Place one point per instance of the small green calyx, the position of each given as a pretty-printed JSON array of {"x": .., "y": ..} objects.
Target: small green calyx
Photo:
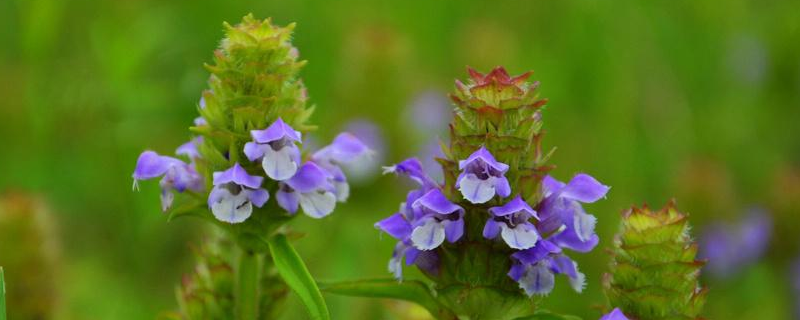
[{"x": 654, "y": 274}]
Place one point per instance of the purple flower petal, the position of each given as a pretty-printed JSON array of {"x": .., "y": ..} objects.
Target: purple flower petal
[
  {"x": 491, "y": 229},
  {"x": 189, "y": 149},
  {"x": 541, "y": 250},
  {"x": 453, "y": 229},
  {"x": 151, "y": 165},
  {"x": 584, "y": 188},
  {"x": 258, "y": 197},
  {"x": 237, "y": 175},
  {"x": 412, "y": 168},
  {"x": 276, "y": 131},
  {"x": 309, "y": 177},
  {"x": 615, "y": 314},
  {"x": 436, "y": 202},
  {"x": 289, "y": 200},
  {"x": 513, "y": 206},
  {"x": 396, "y": 226},
  {"x": 345, "y": 148},
  {"x": 486, "y": 157},
  {"x": 254, "y": 150}
]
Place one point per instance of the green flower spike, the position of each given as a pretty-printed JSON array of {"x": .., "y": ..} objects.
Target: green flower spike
[{"x": 654, "y": 274}]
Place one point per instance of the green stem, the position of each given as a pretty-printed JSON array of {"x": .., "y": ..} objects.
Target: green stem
[
  {"x": 2, "y": 295},
  {"x": 247, "y": 287}
]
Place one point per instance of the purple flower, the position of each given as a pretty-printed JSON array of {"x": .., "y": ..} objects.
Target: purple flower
[
  {"x": 310, "y": 189},
  {"x": 345, "y": 149},
  {"x": 370, "y": 134},
  {"x": 412, "y": 168},
  {"x": 535, "y": 269},
  {"x": 276, "y": 147},
  {"x": 615, "y": 314},
  {"x": 482, "y": 177},
  {"x": 399, "y": 226},
  {"x": 234, "y": 194},
  {"x": 512, "y": 222},
  {"x": 731, "y": 247},
  {"x": 438, "y": 219},
  {"x": 189, "y": 149},
  {"x": 177, "y": 175},
  {"x": 562, "y": 215}
]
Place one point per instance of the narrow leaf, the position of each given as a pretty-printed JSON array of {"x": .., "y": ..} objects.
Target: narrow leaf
[
  {"x": 2, "y": 295},
  {"x": 292, "y": 269},
  {"x": 412, "y": 291}
]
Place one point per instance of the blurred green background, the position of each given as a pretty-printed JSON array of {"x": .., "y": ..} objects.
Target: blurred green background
[{"x": 699, "y": 100}]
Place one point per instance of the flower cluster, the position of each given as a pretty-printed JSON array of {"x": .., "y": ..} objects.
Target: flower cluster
[
  {"x": 495, "y": 197},
  {"x": 249, "y": 137},
  {"x": 315, "y": 185}
]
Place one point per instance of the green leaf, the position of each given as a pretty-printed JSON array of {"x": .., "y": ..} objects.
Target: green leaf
[
  {"x": 2, "y": 295},
  {"x": 547, "y": 315},
  {"x": 412, "y": 291},
  {"x": 292, "y": 269}
]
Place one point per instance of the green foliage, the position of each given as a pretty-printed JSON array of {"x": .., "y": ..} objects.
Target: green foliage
[
  {"x": 210, "y": 291},
  {"x": 654, "y": 274},
  {"x": 292, "y": 269},
  {"x": 412, "y": 291}
]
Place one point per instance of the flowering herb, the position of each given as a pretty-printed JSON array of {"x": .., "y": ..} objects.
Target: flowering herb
[
  {"x": 248, "y": 145},
  {"x": 498, "y": 230}
]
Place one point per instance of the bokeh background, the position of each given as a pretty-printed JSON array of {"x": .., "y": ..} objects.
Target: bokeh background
[{"x": 698, "y": 100}]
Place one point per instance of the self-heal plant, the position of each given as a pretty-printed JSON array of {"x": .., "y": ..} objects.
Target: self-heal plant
[
  {"x": 654, "y": 273},
  {"x": 247, "y": 150},
  {"x": 498, "y": 230}
]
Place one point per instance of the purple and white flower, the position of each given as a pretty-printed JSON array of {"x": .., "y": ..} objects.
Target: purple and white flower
[
  {"x": 615, "y": 314},
  {"x": 482, "y": 177},
  {"x": 235, "y": 193},
  {"x": 310, "y": 189},
  {"x": 176, "y": 175},
  {"x": 438, "y": 219},
  {"x": 400, "y": 227},
  {"x": 562, "y": 215},
  {"x": 535, "y": 269},
  {"x": 276, "y": 146},
  {"x": 512, "y": 222},
  {"x": 345, "y": 149}
]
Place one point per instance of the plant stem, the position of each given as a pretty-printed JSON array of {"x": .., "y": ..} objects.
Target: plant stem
[
  {"x": 2, "y": 295},
  {"x": 247, "y": 287}
]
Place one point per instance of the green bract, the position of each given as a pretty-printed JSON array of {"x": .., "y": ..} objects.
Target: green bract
[{"x": 654, "y": 274}]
